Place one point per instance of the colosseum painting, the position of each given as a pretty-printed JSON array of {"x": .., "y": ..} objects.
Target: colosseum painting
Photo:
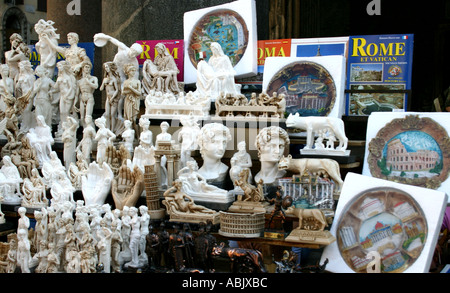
[{"x": 411, "y": 150}]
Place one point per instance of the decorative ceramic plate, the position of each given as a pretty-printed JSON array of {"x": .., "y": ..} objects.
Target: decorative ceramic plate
[
  {"x": 223, "y": 26},
  {"x": 309, "y": 88},
  {"x": 411, "y": 150},
  {"x": 386, "y": 220}
]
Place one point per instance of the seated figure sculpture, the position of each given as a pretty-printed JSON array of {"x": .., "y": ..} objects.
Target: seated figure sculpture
[
  {"x": 160, "y": 74},
  {"x": 217, "y": 75},
  {"x": 41, "y": 139},
  {"x": 10, "y": 181}
]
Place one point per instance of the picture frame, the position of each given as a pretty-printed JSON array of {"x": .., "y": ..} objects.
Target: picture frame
[
  {"x": 410, "y": 148},
  {"x": 233, "y": 26},
  {"x": 398, "y": 221}
]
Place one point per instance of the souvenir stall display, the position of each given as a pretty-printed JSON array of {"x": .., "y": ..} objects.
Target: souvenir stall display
[{"x": 159, "y": 179}]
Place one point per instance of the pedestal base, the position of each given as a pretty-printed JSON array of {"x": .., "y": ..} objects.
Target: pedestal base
[{"x": 312, "y": 237}]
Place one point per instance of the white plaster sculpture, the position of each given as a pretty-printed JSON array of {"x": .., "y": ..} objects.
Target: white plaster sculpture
[
  {"x": 213, "y": 141},
  {"x": 116, "y": 242},
  {"x": 73, "y": 54},
  {"x": 326, "y": 128},
  {"x": 61, "y": 190},
  {"x": 104, "y": 247},
  {"x": 2, "y": 215},
  {"x": 41, "y": 139},
  {"x": 131, "y": 91},
  {"x": 261, "y": 107},
  {"x": 86, "y": 145},
  {"x": 322, "y": 167},
  {"x": 42, "y": 95},
  {"x": 104, "y": 137},
  {"x": 112, "y": 85},
  {"x": 217, "y": 75},
  {"x": 87, "y": 85},
  {"x": 161, "y": 74},
  {"x": 69, "y": 138},
  {"x": 145, "y": 222},
  {"x": 125, "y": 55},
  {"x": 271, "y": 143},
  {"x": 134, "y": 238},
  {"x": 19, "y": 52},
  {"x": 6, "y": 86},
  {"x": 196, "y": 186},
  {"x": 66, "y": 85},
  {"x": 34, "y": 196},
  {"x": 24, "y": 83},
  {"x": 47, "y": 34},
  {"x": 128, "y": 136},
  {"x": 23, "y": 251},
  {"x": 52, "y": 168},
  {"x": 144, "y": 153},
  {"x": 96, "y": 184},
  {"x": 239, "y": 162},
  {"x": 187, "y": 138},
  {"x": 10, "y": 181},
  {"x": 75, "y": 175}
]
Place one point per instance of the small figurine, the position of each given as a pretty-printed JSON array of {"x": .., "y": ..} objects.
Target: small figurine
[
  {"x": 187, "y": 137},
  {"x": 128, "y": 136},
  {"x": 239, "y": 162},
  {"x": 280, "y": 204},
  {"x": 87, "y": 85},
  {"x": 19, "y": 52},
  {"x": 66, "y": 85},
  {"x": 181, "y": 206},
  {"x": 41, "y": 139},
  {"x": 42, "y": 95},
  {"x": 160, "y": 75},
  {"x": 104, "y": 137},
  {"x": 112, "y": 85},
  {"x": 47, "y": 34},
  {"x": 329, "y": 167},
  {"x": 131, "y": 91},
  {"x": 242, "y": 260},
  {"x": 85, "y": 146},
  {"x": 313, "y": 125},
  {"x": 69, "y": 138}
]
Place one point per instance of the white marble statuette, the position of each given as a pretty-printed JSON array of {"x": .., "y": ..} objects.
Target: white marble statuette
[
  {"x": 328, "y": 130},
  {"x": 48, "y": 41},
  {"x": 41, "y": 139},
  {"x": 96, "y": 184}
]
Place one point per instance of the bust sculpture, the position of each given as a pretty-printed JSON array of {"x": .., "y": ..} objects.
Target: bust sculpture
[
  {"x": 271, "y": 143},
  {"x": 213, "y": 140}
]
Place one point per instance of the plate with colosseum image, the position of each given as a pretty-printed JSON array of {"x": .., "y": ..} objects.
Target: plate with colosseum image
[
  {"x": 387, "y": 221},
  {"x": 395, "y": 226},
  {"x": 410, "y": 148}
]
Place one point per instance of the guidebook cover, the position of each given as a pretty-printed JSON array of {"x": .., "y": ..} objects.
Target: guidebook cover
[
  {"x": 272, "y": 48},
  {"x": 379, "y": 73}
]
